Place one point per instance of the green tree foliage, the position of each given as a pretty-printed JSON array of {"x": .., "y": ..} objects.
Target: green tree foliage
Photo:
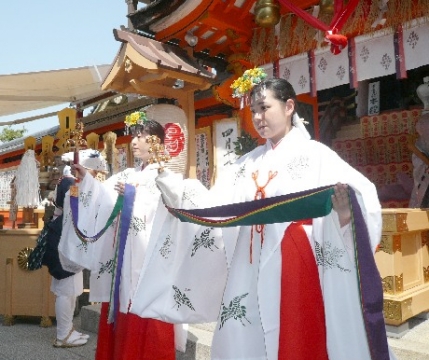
[{"x": 8, "y": 134}]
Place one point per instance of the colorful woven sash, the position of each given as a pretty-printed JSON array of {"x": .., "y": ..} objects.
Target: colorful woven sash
[
  {"x": 369, "y": 281},
  {"x": 124, "y": 205},
  {"x": 301, "y": 205},
  {"x": 124, "y": 226},
  {"x": 74, "y": 205},
  {"x": 304, "y": 205}
]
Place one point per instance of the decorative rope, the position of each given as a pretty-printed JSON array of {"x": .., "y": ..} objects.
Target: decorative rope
[
  {"x": 110, "y": 151},
  {"x": 13, "y": 210},
  {"x": 259, "y": 194}
]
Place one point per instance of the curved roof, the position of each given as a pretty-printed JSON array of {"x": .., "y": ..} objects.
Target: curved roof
[{"x": 146, "y": 66}]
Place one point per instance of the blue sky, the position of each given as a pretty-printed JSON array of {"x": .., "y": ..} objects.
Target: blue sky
[{"x": 50, "y": 35}]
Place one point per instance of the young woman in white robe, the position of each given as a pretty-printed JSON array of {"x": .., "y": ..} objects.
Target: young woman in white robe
[
  {"x": 317, "y": 314},
  {"x": 67, "y": 287},
  {"x": 121, "y": 336}
]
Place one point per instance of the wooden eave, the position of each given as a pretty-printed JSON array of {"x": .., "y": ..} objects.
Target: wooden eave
[
  {"x": 148, "y": 67},
  {"x": 230, "y": 24},
  {"x": 153, "y": 12}
]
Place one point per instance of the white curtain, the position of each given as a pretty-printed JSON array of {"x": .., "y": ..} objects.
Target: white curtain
[
  {"x": 416, "y": 44},
  {"x": 295, "y": 70},
  {"x": 375, "y": 55},
  {"x": 331, "y": 70}
]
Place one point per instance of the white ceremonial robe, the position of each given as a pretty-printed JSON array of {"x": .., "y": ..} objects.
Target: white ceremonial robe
[
  {"x": 297, "y": 164},
  {"x": 96, "y": 201}
]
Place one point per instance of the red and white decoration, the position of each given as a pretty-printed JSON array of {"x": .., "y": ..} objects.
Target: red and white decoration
[
  {"x": 366, "y": 57},
  {"x": 174, "y": 120}
]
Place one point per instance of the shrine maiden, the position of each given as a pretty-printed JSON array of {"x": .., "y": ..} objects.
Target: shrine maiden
[
  {"x": 111, "y": 239},
  {"x": 292, "y": 290}
]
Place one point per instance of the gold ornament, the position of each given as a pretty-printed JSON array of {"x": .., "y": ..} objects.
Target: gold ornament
[
  {"x": 76, "y": 141},
  {"x": 158, "y": 152},
  {"x": 23, "y": 258},
  {"x": 267, "y": 13},
  {"x": 326, "y": 7}
]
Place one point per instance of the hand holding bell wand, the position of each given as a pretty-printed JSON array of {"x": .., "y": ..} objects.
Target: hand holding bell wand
[{"x": 77, "y": 142}]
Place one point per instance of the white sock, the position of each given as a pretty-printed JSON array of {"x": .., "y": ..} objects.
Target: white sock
[{"x": 64, "y": 310}]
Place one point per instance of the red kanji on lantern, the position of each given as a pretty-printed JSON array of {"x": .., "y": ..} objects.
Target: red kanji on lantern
[{"x": 174, "y": 139}]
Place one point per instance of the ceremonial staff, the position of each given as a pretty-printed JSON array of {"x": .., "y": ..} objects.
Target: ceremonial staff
[{"x": 76, "y": 143}]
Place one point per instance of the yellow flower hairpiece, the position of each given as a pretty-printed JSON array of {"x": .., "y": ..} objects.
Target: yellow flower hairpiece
[
  {"x": 136, "y": 118},
  {"x": 247, "y": 81}
]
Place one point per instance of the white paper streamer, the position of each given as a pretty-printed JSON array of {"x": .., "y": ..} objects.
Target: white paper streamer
[{"x": 27, "y": 181}]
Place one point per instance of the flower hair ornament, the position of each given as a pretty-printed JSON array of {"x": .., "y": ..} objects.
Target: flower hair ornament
[
  {"x": 244, "y": 84},
  {"x": 156, "y": 149},
  {"x": 134, "y": 119}
]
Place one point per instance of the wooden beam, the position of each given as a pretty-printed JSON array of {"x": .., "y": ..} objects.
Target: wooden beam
[
  {"x": 158, "y": 90},
  {"x": 178, "y": 74},
  {"x": 153, "y": 77},
  {"x": 186, "y": 101}
]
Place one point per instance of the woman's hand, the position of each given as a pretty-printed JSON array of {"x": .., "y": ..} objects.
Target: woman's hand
[
  {"x": 341, "y": 203},
  {"x": 120, "y": 187},
  {"x": 79, "y": 171}
]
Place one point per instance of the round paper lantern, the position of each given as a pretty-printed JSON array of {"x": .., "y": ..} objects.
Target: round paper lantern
[{"x": 174, "y": 121}]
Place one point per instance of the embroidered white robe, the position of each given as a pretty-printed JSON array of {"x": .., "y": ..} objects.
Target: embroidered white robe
[
  {"x": 96, "y": 201},
  {"x": 298, "y": 164}
]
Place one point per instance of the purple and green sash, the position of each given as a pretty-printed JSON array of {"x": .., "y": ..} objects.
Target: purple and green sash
[
  {"x": 74, "y": 205},
  {"x": 124, "y": 226},
  {"x": 292, "y": 207},
  {"x": 304, "y": 205},
  {"x": 124, "y": 207}
]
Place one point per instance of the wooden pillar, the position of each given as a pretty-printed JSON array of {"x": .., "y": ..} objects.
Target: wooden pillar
[{"x": 186, "y": 101}]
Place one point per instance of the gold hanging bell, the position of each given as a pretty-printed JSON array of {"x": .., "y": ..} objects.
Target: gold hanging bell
[
  {"x": 326, "y": 7},
  {"x": 267, "y": 13}
]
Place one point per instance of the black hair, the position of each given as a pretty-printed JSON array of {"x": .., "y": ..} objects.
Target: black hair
[
  {"x": 151, "y": 127},
  {"x": 282, "y": 90}
]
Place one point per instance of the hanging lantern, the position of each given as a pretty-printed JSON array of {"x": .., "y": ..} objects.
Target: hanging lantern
[{"x": 267, "y": 13}]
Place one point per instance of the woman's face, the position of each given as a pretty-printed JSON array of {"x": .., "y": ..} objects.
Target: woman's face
[
  {"x": 140, "y": 146},
  {"x": 271, "y": 117}
]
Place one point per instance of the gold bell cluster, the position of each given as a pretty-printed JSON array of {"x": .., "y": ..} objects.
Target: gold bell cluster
[{"x": 158, "y": 152}]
